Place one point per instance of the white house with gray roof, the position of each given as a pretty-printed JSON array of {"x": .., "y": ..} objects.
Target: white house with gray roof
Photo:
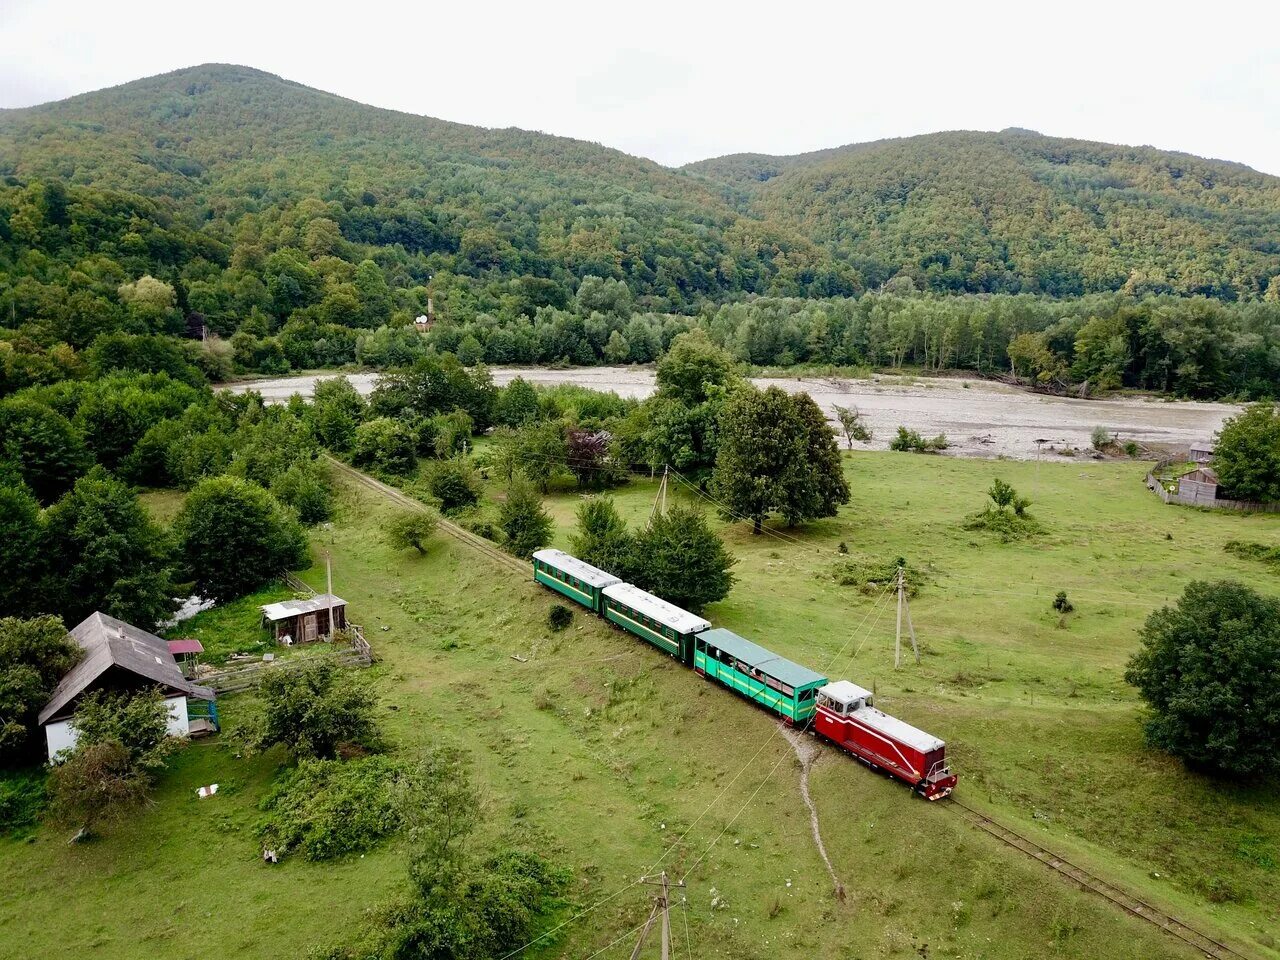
[{"x": 119, "y": 658}]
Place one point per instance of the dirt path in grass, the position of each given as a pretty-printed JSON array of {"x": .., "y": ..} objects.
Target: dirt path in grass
[{"x": 807, "y": 752}]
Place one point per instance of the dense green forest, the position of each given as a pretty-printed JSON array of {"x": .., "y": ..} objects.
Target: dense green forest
[{"x": 298, "y": 229}]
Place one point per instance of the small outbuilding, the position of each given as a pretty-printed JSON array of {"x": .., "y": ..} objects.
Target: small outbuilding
[
  {"x": 1198, "y": 486},
  {"x": 121, "y": 658},
  {"x": 302, "y": 621},
  {"x": 1202, "y": 452}
]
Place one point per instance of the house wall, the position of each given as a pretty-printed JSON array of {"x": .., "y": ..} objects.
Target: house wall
[{"x": 60, "y": 735}]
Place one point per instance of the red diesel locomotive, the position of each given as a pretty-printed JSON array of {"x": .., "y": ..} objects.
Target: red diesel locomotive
[{"x": 846, "y": 716}]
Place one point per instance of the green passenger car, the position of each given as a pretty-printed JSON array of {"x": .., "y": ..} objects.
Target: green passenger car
[
  {"x": 651, "y": 618},
  {"x": 577, "y": 580},
  {"x": 782, "y": 686}
]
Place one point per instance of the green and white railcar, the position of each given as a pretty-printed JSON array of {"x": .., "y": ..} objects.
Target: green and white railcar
[
  {"x": 576, "y": 579},
  {"x": 785, "y": 687},
  {"x": 651, "y": 618}
]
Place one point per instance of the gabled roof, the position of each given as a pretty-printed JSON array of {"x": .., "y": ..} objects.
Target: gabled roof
[
  {"x": 291, "y": 608},
  {"x": 108, "y": 642},
  {"x": 763, "y": 659}
]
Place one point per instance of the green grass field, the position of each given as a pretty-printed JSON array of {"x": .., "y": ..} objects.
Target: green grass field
[{"x": 602, "y": 753}]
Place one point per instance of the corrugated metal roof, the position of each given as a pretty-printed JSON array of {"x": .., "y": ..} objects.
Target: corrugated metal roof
[
  {"x": 291, "y": 608},
  {"x": 570, "y": 564},
  {"x": 667, "y": 614},
  {"x": 762, "y": 658},
  {"x": 108, "y": 642},
  {"x": 185, "y": 645}
]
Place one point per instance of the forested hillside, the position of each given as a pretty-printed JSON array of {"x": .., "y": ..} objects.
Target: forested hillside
[
  {"x": 1019, "y": 212},
  {"x": 299, "y": 229}
]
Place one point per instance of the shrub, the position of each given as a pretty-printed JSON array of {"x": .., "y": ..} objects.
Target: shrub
[
  {"x": 306, "y": 487},
  {"x": 1061, "y": 603},
  {"x": 385, "y": 444},
  {"x": 326, "y": 808},
  {"x": 314, "y": 709},
  {"x": 454, "y": 483},
  {"x": 602, "y": 538},
  {"x": 411, "y": 529},
  {"x": 1006, "y": 516},
  {"x": 525, "y": 523},
  {"x": 906, "y": 441},
  {"x": 909, "y": 441},
  {"x": 1004, "y": 524},
  {"x": 22, "y": 799},
  {"x": 1100, "y": 438},
  {"x": 559, "y": 618},
  {"x": 871, "y": 576},
  {"x": 1209, "y": 669},
  {"x": 1253, "y": 551}
]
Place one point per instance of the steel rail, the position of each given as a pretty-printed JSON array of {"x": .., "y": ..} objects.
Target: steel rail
[
  {"x": 448, "y": 526},
  {"x": 1087, "y": 881}
]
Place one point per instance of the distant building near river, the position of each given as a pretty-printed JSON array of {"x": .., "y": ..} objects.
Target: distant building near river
[
  {"x": 121, "y": 658},
  {"x": 1202, "y": 452}
]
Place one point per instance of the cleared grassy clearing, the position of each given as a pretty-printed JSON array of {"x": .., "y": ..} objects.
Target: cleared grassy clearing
[{"x": 601, "y": 752}]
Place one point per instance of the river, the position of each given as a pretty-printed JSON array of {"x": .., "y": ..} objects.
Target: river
[{"x": 980, "y": 418}]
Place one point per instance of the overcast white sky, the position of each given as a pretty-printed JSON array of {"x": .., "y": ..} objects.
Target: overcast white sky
[{"x": 680, "y": 81}]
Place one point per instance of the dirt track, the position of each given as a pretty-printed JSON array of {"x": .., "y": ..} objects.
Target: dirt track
[{"x": 980, "y": 419}]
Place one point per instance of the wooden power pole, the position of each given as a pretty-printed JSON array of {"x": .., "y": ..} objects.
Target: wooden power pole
[
  {"x": 660, "y": 500},
  {"x": 661, "y": 904},
  {"x": 903, "y": 604}
]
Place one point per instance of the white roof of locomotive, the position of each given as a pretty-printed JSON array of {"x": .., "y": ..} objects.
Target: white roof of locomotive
[
  {"x": 899, "y": 730},
  {"x": 846, "y": 692},
  {"x": 667, "y": 614},
  {"x": 592, "y": 576}
]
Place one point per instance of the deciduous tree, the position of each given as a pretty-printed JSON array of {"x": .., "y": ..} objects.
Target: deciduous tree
[
  {"x": 1247, "y": 454},
  {"x": 1209, "y": 669},
  {"x": 233, "y": 536},
  {"x": 525, "y": 523},
  {"x": 106, "y": 553}
]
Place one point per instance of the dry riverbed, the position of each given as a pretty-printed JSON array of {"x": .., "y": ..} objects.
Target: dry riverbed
[{"x": 980, "y": 418}]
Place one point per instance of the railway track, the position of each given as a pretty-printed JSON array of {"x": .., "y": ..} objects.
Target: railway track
[
  {"x": 477, "y": 543},
  {"x": 1087, "y": 881},
  {"x": 1177, "y": 929}
]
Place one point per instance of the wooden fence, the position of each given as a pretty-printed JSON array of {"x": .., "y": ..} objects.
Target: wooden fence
[
  {"x": 1156, "y": 485},
  {"x": 246, "y": 674}
]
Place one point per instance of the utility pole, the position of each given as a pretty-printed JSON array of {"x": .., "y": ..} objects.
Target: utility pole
[
  {"x": 661, "y": 903},
  {"x": 660, "y": 500},
  {"x": 903, "y": 604},
  {"x": 328, "y": 588}
]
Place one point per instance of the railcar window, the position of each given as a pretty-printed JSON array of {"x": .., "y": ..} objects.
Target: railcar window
[
  {"x": 806, "y": 694},
  {"x": 790, "y": 691}
]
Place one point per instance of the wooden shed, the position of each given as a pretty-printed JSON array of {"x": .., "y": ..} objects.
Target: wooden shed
[
  {"x": 1198, "y": 486},
  {"x": 302, "y": 621}
]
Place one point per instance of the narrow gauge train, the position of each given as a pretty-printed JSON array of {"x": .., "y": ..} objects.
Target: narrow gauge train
[{"x": 839, "y": 711}]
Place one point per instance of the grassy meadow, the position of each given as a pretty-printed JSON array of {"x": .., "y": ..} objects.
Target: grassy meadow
[{"x": 603, "y": 754}]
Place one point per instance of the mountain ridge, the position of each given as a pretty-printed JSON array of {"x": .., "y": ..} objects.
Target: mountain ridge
[{"x": 959, "y": 211}]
